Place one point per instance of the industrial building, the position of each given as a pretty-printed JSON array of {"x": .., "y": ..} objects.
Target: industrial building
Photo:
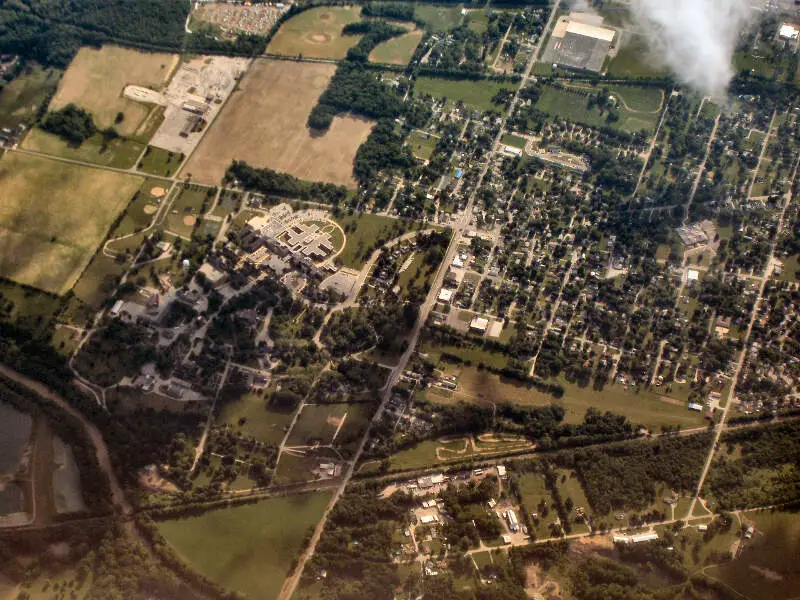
[{"x": 580, "y": 42}]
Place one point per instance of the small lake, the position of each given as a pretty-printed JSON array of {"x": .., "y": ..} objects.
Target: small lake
[
  {"x": 15, "y": 431},
  {"x": 66, "y": 479}
]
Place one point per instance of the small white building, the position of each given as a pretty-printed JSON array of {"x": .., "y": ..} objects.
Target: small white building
[
  {"x": 695, "y": 406},
  {"x": 479, "y": 325},
  {"x": 445, "y": 295},
  {"x": 501, "y": 471},
  {"x": 789, "y": 32}
]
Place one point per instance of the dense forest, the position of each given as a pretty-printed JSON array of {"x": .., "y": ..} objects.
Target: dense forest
[
  {"x": 626, "y": 476},
  {"x": 268, "y": 181},
  {"x": 355, "y": 89},
  {"x": 51, "y": 31}
]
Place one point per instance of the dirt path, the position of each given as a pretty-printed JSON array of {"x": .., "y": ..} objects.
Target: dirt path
[{"x": 94, "y": 435}]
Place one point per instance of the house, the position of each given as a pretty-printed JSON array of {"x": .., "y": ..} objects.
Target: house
[
  {"x": 696, "y": 407},
  {"x": 501, "y": 471},
  {"x": 117, "y": 308},
  {"x": 445, "y": 295}
]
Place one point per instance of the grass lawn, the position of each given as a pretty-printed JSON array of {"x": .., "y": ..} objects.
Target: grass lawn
[
  {"x": 473, "y": 94},
  {"x": 533, "y": 490},
  {"x": 317, "y": 33},
  {"x": 53, "y": 216},
  {"x": 569, "y": 487},
  {"x": 436, "y": 17},
  {"x": 119, "y": 153},
  {"x": 791, "y": 268},
  {"x": 21, "y": 98},
  {"x": 509, "y": 139},
  {"x": 317, "y": 423},
  {"x": 467, "y": 352},
  {"x": 422, "y": 145},
  {"x": 248, "y": 548},
  {"x": 645, "y": 408},
  {"x": 632, "y": 62},
  {"x": 157, "y": 161},
  {"x": 573, "y": 106},
  {"x": 365, "y": 233},
  {"x": 185, "y": 211},
  {"x": 251, "y": 416},
  {"x": 478, "y": 21},
  {"x": 398, "y": 50},
  {"x": 99, "y": 280}
]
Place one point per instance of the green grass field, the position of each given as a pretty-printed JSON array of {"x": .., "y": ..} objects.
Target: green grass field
[
  {"x": 422, "y": 145},
  {"x": 478, "y": 21},
  {"x": 53, "y": 216},
  {"x": 437, "y": 17},
  {"x": 633, "y": 60},
  {"x": 363, "y": 232},
  {"x": 158, "y": 161},
  {"x": 20, "y": 99},
  {"x": 317, "y": 423},
  {"x": 533, "y": 490},
  {"x": 509, "y": 139},
  {"x": 317, "y": 33},
  {"x": 473, "y": 94},
  {"x": 767, "y": 567},
  {"x": 139, "y": 213},
  {"x": 398, "y": 50},
  {"x": 563, "y": 104},
  {"x": 251, "y": 416},
  {"x": 247, "y": 548},
  {"x": 119, "y": 153}
]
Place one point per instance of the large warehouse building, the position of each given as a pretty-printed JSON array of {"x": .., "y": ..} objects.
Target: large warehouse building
[{"x": 578, "y": 43}]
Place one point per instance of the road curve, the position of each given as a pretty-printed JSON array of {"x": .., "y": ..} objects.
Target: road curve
[{"x": 94, "y": 435}]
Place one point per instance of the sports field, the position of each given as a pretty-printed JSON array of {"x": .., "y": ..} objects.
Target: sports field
[
  {"x": 317, "y": 423},
  {"x": 247, "y": 548},
  {"x": 259, "y": 125},
  {"x": 96, "y": 78},
  {"x": 317, "y": 33},
  {"x": 53, "y": 216},
  {"x": 398, "y": 50}
]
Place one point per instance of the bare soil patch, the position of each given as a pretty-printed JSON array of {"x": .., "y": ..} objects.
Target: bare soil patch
[
  {"x": 96, "y": 77},
  {"x": 157, "y": 192},
  {"x": 264, "y": 123},
  {"x": 150, "y": 209},
  {"x": 189, "y": 220}
]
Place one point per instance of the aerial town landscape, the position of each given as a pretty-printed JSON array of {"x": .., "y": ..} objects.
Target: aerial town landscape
[{"x": 387, "y": 299}]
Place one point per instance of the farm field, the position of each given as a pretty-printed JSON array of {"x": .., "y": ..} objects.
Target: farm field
[
  {"x": 119, "y": 153},
  {"x": 247, "y": 548},
  {"x": 20, "y": 99},
  {"x": 53, "y": 216},
  {"x": 573, "y": 106},
  {"x": 96, "y": 78},
  {"x": 474, "y": 94},
  {"x": 317, "y": 33},
  {"x": 259, "y": 126},
  {"x": 644, "y": 408},
  {"x": 251, "y": 416},
  {"x": 397, "y": 51}
]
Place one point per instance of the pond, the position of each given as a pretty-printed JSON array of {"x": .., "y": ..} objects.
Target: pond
[{"x": 66, "y": 479}]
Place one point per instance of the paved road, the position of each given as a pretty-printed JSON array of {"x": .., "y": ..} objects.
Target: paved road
[
  {"x": 291, "y": 583},
  {"x": 746, "y": 340}
]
